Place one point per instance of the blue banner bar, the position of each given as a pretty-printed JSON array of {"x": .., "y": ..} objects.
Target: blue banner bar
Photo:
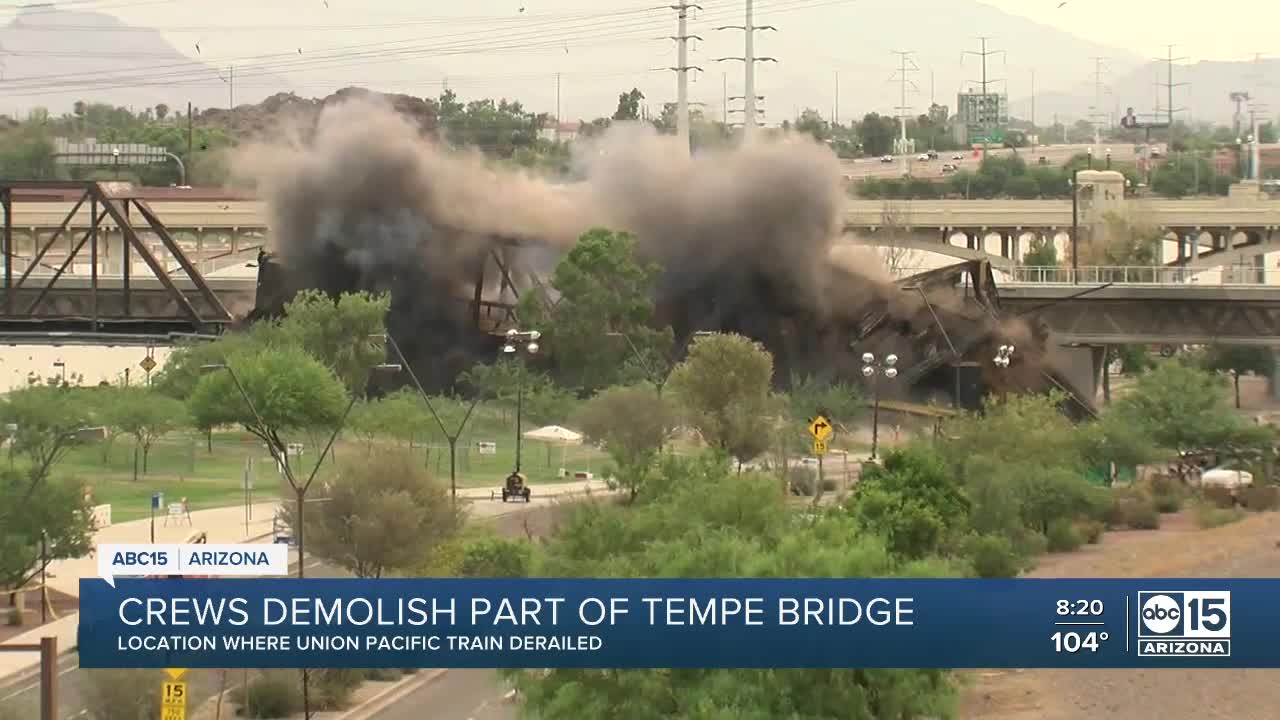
[{"x": 740, "y": 623}]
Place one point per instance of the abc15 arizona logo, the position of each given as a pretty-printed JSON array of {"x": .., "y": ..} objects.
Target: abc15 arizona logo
[{"x": 1187, "y": 623}]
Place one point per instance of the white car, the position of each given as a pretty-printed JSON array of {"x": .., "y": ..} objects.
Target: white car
[
  {"x": 923, "y": 157},
  {"x": 957, "y": 156},
  {"x": 1226, "y": 476},
  {"x": 886, "y": 158}
]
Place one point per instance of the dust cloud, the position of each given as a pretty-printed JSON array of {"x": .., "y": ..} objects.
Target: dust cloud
[{"x": 363, "y": 199}]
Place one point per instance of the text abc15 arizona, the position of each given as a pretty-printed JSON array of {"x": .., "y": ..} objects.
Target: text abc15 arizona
[{"x": 1188, "y": 623}]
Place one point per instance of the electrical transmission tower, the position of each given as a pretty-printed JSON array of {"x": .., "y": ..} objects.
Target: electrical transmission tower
[
  {"x": 682, "y": 69},
  {"x": 906, "y": 66},
  {"x": 1100, "y": 88},
  {"x": 985, "y": 115},
  {"x": 749, "y": 60},
  {"x": 1169, "y": 86}
]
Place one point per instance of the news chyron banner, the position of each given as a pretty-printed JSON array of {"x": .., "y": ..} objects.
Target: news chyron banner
[{"x": 740, "y": 623}]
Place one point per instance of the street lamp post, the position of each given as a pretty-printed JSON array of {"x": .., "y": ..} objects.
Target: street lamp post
[
  {"x": 280, "y": 453},
  {"x": 513, "y": 346},
  {"x": 1075, "y": 223},
  {"x": 450, "y": 437},
  {"x": 873, "y": 369},
  {"x": 1108, "y": 158},
  {"x": 1004, "y": 356}
]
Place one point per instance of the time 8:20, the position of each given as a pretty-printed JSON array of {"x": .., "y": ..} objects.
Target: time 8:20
[{"x": 1079, "y": 607}]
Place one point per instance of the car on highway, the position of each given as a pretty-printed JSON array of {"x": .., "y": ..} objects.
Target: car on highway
[
  {"x": 923, "y": 157},
  {"x": 886, "y": 158},
  {"x": 957, "y": 156},
  {"x": 950, "y": 168}
]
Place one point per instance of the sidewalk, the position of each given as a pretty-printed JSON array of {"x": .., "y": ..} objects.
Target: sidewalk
[{"x": 223, "y": 525}]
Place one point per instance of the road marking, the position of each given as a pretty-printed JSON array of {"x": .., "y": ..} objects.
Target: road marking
[{"x": 35, "y": 685}]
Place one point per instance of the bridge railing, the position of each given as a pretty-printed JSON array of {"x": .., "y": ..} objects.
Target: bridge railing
[
  {"x": 1138, "y": 275},
  {"x": 1226, "y": 276}
]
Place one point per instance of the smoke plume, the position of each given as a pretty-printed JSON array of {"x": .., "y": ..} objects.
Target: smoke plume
[{"x": 362, "y": 200}]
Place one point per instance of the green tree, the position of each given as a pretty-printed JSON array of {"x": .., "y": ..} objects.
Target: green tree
[
  {"x": 1237, "y": 360},
  {"x": 48, "y": 420},
  {"x": 629, "y": 105},
  {"x": 381, "y": 514},
  {"x": 145, "y": 416},
  {"x": 877, "y": 134},
  {"x": 602, "y": 288},
  {"x": 55, "y": 511},
  {"x": 631, "y": 423},
  {"x": 284, "y": 390},
  {"x": 339, "y": 333},
  {"x": 1042, "y": 253},
  {"x": 912, "y": 501},
  {"x": 1186, "y": 409},
  {"x": 711, "y": 523},
  {"x": 723, "y": 384}
]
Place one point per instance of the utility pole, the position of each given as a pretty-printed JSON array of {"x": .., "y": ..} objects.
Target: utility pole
[
  {"x": 724, "y": 98},
  {"x": 905, "y": 66},
  {"x": 1035, "y": 133},
  {"x": 682, "y": 70},
  {"x": 557, "y": 107},
  {"x": 1169, "y": 86},
  {"x": 749, "y": 60},
  {"x": 1255, "y": 109},
  {"x": 835, "y": 109},
  {"x": 985, "y": 115},
  {"x": 1099, "y": 69}
]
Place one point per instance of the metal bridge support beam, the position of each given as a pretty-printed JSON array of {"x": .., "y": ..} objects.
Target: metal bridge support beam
[{"x": 1083, "y": 366}]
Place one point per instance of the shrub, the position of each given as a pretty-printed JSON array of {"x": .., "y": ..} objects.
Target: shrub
[
  {"x": 1091, "y": 531},
  {"x": 802, "y": 481},
  {"x": 331, "y": 688},
  {"x": 993, "y": 556},
  {"x": 1261, "y": 497},
  {"x": 273, "y": 694},
  {"x": 1208, "y": 515},
  {"x": 122, "y": 694},
  {"x": 1218, "y": 497},
  {"x": 1063, "y": 537},
  {"x": 1132, "y": 508},
  {"x": 495, "y": 558},
  {"x": 1167, "y": 494},
  {"x": 381, "y": 674}
]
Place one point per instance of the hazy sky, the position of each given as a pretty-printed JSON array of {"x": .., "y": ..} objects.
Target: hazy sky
[
  {"x": 1217, "y": 30},
  {"x": 490, "y": 47}
]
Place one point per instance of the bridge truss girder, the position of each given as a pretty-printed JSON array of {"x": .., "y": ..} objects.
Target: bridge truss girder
[
  {"x": 1170, "y": 321},
  {"x": 102, "y": 306}
]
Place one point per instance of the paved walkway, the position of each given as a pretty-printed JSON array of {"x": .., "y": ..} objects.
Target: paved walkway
[{"x": 223, "y": 525}]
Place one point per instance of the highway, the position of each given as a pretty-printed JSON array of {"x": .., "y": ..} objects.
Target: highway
[{"x": 1053, "y": 155}]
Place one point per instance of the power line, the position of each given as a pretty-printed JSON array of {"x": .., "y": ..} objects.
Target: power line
[
  {"x": 682, "y": 69},
  {"x": 984, "y": 54},
  {"x": 1099, "y": 88},
  {"x": 1169, "y": 86},
  {"x": 530, "y": 39},
  {"x": 906, "y": 66}
]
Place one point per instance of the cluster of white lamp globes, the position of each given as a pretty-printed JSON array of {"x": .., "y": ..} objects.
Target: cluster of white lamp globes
[
  {"x": 869, "y": 368},
  {"x": 1003, "y": 356},
  {"x": 514, "y": 335}
]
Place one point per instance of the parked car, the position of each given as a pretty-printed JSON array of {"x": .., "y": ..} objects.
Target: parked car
[{"x": 1228, "y": 475}]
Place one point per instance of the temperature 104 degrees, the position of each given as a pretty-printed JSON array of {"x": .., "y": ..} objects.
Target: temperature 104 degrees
[{"x": 1073, "y": 642}]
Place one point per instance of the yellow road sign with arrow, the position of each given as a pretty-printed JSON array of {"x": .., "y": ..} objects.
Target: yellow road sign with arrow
[{"x": 821, "y": 430}]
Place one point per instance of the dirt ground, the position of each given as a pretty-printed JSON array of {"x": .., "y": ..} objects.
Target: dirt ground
[{"x": 1250, "y": 548}]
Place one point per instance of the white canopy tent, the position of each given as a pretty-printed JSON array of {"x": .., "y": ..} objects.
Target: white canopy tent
[{"x": 553, "y": 434}]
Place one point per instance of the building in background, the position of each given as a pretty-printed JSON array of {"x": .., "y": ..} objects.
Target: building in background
[{"x": 981, "y": 118}]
